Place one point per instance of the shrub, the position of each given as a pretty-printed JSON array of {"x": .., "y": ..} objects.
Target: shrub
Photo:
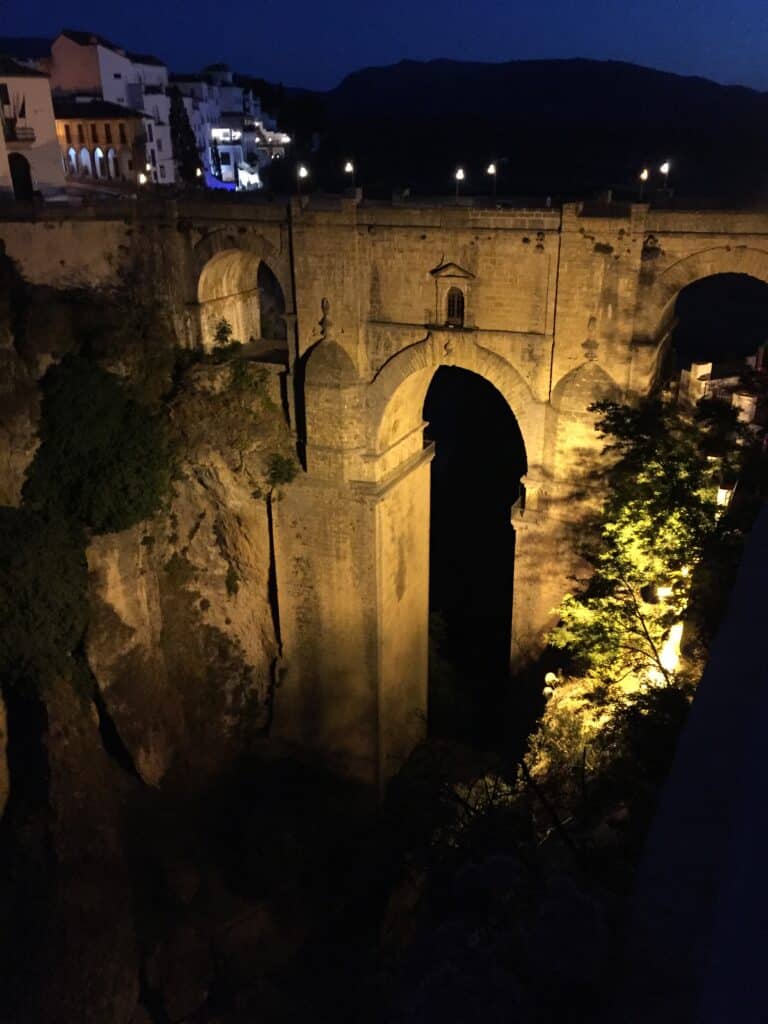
[{"x": 104, "y": 458}]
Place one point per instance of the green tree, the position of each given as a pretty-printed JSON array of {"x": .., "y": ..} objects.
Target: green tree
[
  {"x": 659, "y": 515},
  {"x": 183, "y": 140}
]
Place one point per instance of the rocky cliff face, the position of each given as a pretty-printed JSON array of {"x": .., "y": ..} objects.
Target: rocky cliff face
[{"x": 172, "y": 684}]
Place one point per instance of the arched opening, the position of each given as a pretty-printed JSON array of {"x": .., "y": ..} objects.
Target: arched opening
[
  {"x": 98, "y": 160},
  {"x": 21, "y": 176},
  {"x": 112, "y": 163},
  {"x": 723, "y": 316},
  {"x": 271, "y": 306},
  {"x": 455, "y": 307},
  {"x": 479, "y": 461},
  {"x": 72, "y": 160},
  {"x": 86, "y": 168},
  {"x": 238, "y": 289}
]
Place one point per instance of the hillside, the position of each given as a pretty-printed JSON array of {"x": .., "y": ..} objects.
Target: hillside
[{"x": 560, "y": 126}]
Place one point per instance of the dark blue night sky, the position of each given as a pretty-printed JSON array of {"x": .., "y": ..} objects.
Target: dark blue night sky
[{"x": 315, "y": 44}]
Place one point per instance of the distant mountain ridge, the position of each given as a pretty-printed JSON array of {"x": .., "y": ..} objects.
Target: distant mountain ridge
[{"x": 562, "y": 125}]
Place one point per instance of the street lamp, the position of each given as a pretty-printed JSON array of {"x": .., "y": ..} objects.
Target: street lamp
[
  {"x": 198, "y": 172},
  {"x": 142, "y": 178},
  {"x": 644, "y": 175},
  {"x": 459, "y": 176},
  {"x": 349, "y": 168},
  {"x": 491, "y": 172},
  {"x": 665, "y": 171},
  {"x": 301, "y": 174}
]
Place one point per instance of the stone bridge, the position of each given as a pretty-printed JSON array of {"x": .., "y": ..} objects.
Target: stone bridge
[{"x": 362, "y": 302}]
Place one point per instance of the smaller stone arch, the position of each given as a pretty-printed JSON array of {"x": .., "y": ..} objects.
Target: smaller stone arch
[
  {"x": 72, "y": 161},
  {"x": 112, "y": 168},
  {"x": 237, "y": 286},
  {"x": 655, "y": 318},
  {"x": 86, "y": 165}
]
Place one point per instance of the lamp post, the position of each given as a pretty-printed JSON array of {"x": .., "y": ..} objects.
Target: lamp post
[
  {"x": 492, "y": 174},
  {"x": 301, "y": 174},
  {"x": 644, "y": 175},
  {"x": 459, "y": 177},
  {"x": 665, "y": 167},
  {"x": 349, "y": 169}
]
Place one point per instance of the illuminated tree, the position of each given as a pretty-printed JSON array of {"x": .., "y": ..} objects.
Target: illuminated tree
[{"x": 658, "y": 516}]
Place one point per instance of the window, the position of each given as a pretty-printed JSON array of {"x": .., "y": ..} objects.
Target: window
[
  {"x": 149, "y": 133},
  {"x": 108, "y": 132},
  {"x": 121, "y": 131},
  {"x": 162, "y": 172},
  {"x": 225, "y": 159},
  {"x": 80, "y": 134},
  {"x": 94, "y": 133},
  {"x": 5, "y": 99},
  {"x": 455, "y": 317},
  {"x": 68, "y": 134},
  {"x": 159, "y": 145},
  {"x": 117, "y": 74},
  {"x": 153, "y": 158}
]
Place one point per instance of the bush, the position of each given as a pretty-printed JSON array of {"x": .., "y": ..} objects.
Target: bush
[
  {"x": 104, "y": 458},
  {"x": 43, "y": 607}
]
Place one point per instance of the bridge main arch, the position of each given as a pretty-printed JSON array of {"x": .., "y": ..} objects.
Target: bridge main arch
[{"x": 360, "y": 531}]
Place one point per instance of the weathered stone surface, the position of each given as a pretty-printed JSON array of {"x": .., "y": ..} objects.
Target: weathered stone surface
[
  {"x": 180, "y": 969},
  {"x": 562, "y": 307},
  {"x": 182, "y": 638}
]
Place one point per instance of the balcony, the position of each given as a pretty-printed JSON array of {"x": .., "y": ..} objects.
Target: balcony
[{"x": 18, "y": 133}]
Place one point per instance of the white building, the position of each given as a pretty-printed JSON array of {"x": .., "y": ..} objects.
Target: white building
[
  {"x": 88, "y": 65},
  {"x": 32, "y": 162}
]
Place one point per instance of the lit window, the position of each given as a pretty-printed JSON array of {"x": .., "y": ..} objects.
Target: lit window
[{"x": 455, "y": 311}]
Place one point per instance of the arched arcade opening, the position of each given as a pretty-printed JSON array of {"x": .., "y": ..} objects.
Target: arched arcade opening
[
  {"x": 476, "y": 476},
  {"x": 239, "y": 289}
]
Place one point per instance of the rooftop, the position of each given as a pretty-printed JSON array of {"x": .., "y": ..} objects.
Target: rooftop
[
  {"x": 146, "y": 58},
  {"x": 11, "y": 69},
  {"x": 90, "y": 39},
  {"x": 67, "y": 109}
]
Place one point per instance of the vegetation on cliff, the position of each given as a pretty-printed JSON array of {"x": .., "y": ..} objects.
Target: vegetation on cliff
[{"x": 104, "y": 459}]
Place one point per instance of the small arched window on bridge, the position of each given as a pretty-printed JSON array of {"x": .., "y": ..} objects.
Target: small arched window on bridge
[{"x": 455, "y": 308}]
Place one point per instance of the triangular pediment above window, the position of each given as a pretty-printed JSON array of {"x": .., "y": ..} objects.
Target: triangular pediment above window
[{"x": 451, "y": 270}]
